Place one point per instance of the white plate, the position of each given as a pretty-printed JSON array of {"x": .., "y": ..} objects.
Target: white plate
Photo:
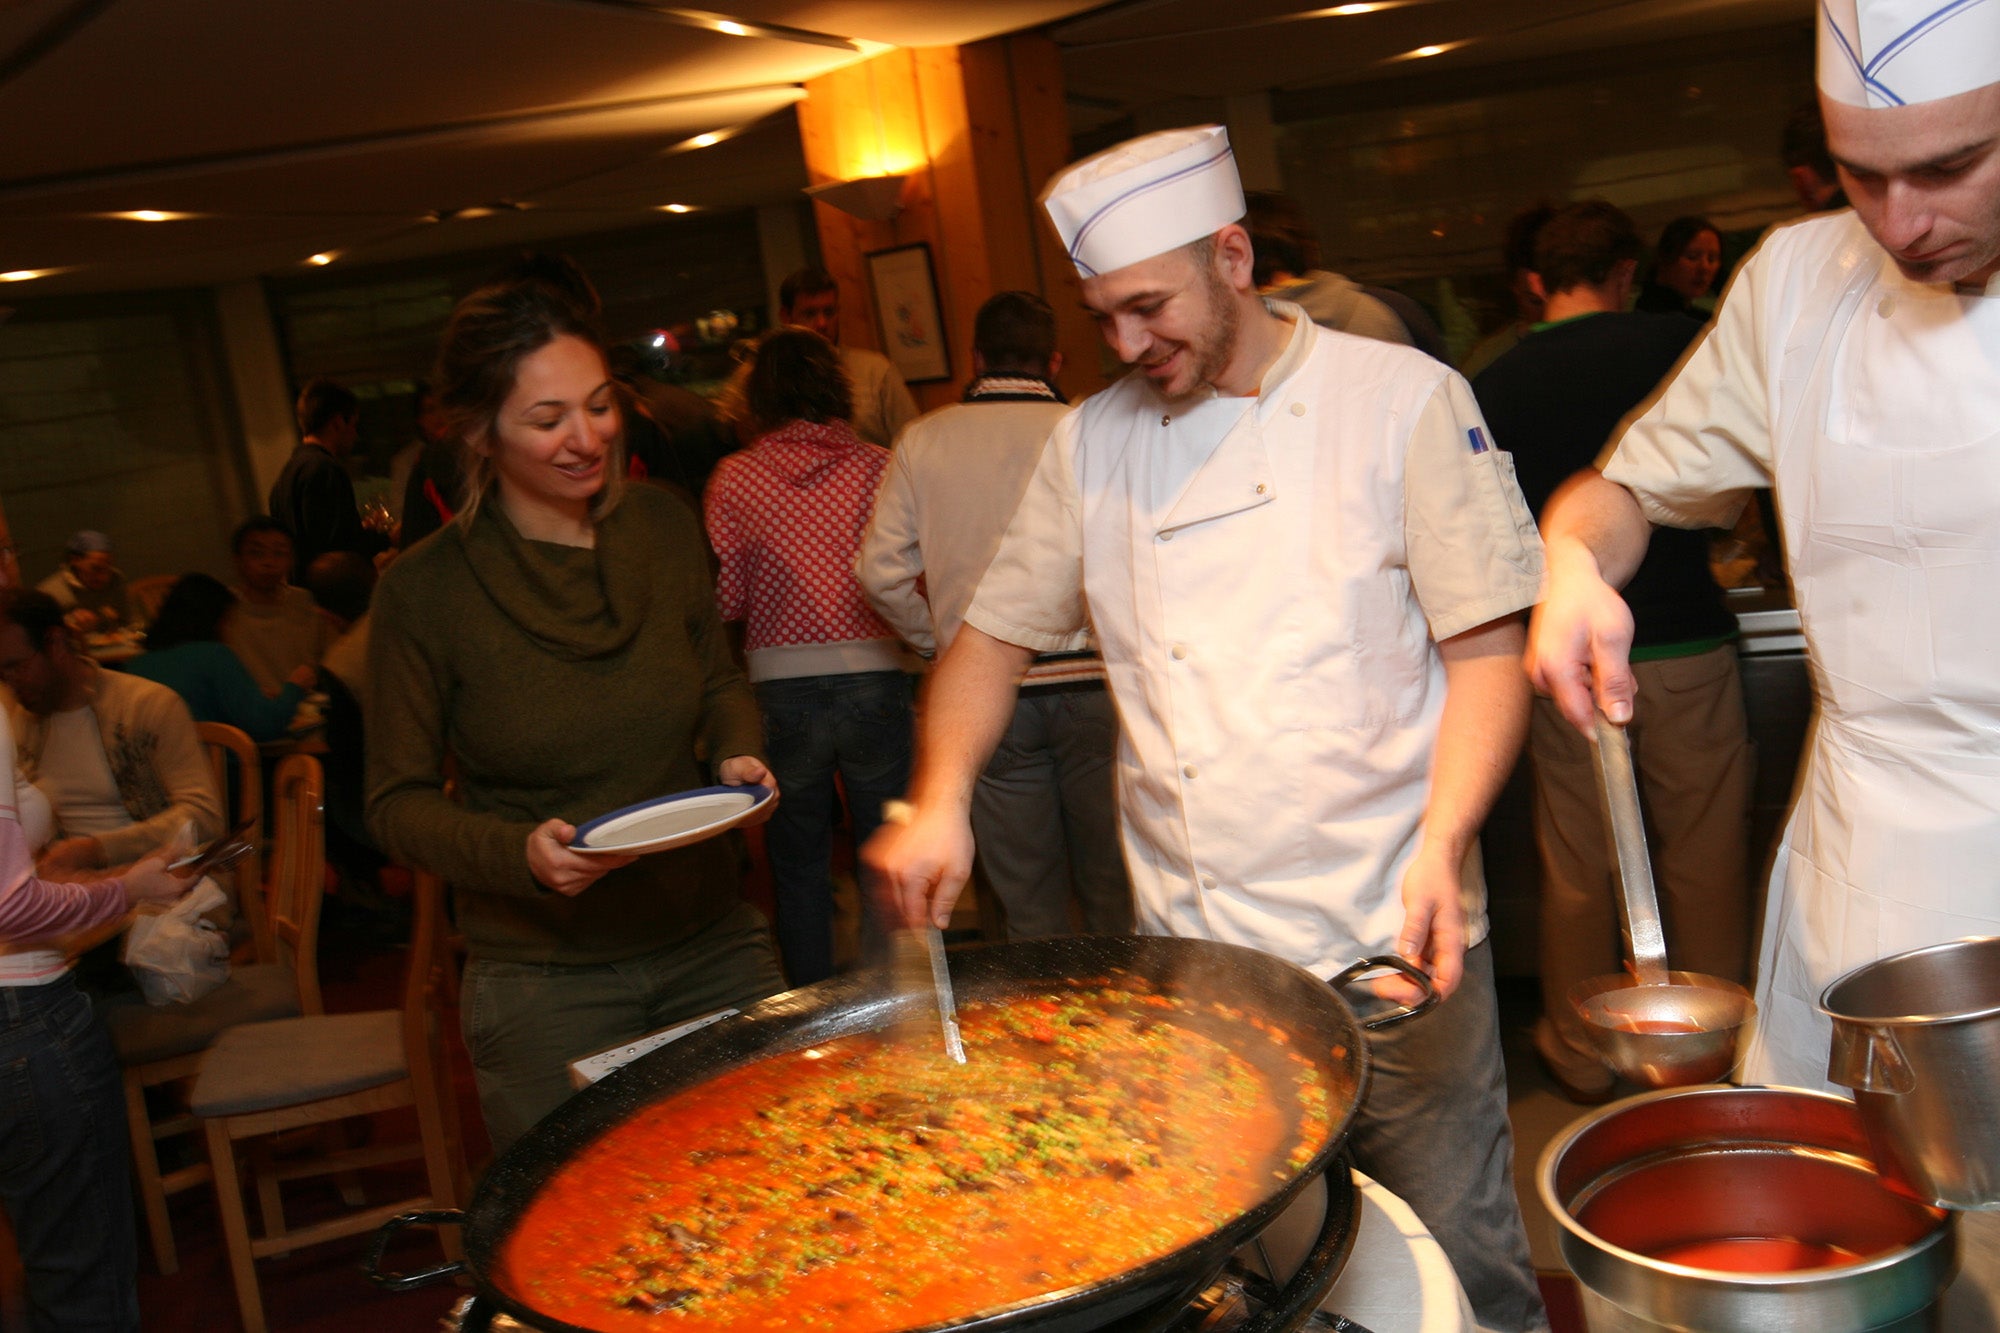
[{"x": 671, "y": 821}]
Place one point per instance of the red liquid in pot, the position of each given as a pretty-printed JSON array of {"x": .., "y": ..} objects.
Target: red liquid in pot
[{"x": 1758, "y": 1254}]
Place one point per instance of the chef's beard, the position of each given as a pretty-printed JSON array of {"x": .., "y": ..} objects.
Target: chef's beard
[{"x": 1210, "y": 354}]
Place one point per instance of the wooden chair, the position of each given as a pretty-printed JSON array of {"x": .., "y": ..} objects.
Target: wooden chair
[
  {"x": 163, "y": 1045},
  {"x": 225, "y": 744},
  {"x": 273, "y": 1078},
  {"x": 144, "y": 596}
]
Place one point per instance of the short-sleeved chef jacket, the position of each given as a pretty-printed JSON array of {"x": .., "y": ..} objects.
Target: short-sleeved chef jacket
[{"x": 1268, "y": 580}]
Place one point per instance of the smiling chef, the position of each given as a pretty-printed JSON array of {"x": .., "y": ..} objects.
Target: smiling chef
[{"x": 1304, "y": 561}]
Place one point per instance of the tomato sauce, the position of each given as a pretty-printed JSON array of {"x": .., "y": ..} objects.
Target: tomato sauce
[
  {"x": 865, "y": 1186},
  {"x": 1759, "y": 1254}
]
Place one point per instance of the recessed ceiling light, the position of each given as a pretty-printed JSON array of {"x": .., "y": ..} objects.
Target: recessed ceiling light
[
  {"x": 708, "y": 140},
  {"x": 150, "y": 215},
  {"x": 323, "y": 258},
  {"x": 26, "y": 274},
  {"x": 1429, "y": 51},
  {"x": 733, "y": 28},
  {"x": 677, "y": 208},
  {"x": 1349, "y": 11}
]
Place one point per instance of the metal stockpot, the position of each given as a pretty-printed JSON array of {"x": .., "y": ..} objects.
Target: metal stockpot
[
  {"x": 1643, "y": 1186},
  {"x": 1917, "y": 1037}
]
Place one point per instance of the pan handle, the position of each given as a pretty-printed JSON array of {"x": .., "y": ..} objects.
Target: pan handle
[
  {"x": 1396, "y": 963},
  {"x": 447, "y": 1217}
]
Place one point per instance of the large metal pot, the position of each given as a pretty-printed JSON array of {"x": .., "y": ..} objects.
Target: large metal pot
[
  {"x": 1664, "y": 1199},
  {"x": 1259, "y": 988},
  {"x": 1917, "y": 1037}
]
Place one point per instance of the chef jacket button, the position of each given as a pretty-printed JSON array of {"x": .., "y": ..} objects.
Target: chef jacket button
[
  {"x": 1180, "y": 652},
  {"x": 1207, "y": 881},
  {"x": 1187, "y": 770},
  {"x": 1166, "y": 536},
  {"x": 1298, "y": 409},
  {"x": 1166, "y": 418},
  {"x": 1887, "y": 307},
  {"x": 1261, "y": 488}
]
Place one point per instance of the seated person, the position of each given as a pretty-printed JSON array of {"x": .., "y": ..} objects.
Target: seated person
[
  {"x": 185, "y": 652},
  {"x": 88, "y": 587},
  {"x": 275, "y": 628},
  {"x": 116, "y": 754}
]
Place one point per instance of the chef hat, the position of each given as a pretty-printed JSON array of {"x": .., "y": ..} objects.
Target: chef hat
[
  {"x": 1144, "y": 197},
  {"x": 1880, "y": 53},
  {"x": 87, "y": 542}
]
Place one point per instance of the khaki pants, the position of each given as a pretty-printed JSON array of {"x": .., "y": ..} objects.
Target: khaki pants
[
  {"x": 524, "y": 1022},
  {"x": 1691, "y": 747}
]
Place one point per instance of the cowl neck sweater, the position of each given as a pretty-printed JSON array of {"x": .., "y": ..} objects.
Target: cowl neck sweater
[{"x": 575, "y": 602}]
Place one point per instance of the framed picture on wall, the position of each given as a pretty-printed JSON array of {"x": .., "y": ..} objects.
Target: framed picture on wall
[{"x": 906, "y": 310}]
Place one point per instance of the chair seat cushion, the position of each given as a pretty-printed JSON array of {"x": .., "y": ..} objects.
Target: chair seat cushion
[
  {"x": 143, "y": 1033},
  {"x": 263, "y": 1066}
]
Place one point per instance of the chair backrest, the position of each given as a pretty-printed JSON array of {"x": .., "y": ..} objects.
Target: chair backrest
[
  {"x": 223, "y": 744},
  {"x": 298, "y": 871},
  {"x": 145, "y": 595}
]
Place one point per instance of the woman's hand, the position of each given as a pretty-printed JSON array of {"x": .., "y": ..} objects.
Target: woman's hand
[
  {"x": 556, "y": 867},
  {"x": 150, "y": 880},
  {"x": 740, "y": 769}
]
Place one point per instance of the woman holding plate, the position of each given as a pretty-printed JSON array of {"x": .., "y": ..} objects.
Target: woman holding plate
[{"x": 559, "y": 640}]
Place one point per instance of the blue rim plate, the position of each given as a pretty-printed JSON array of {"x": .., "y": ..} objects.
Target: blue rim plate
[{"x": 671, "y": 821}]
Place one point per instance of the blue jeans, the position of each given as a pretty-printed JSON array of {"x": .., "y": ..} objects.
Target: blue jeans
[
  {"x": 858, "y": 726},
  {"x": 64, "y": 1178}
]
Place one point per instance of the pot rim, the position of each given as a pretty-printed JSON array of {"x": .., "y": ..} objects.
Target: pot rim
[
  {"x": 1545, "y": 1170},
  {"x": 1825, "y": 1005}
]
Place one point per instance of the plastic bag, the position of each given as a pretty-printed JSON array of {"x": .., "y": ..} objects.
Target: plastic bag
[{"x": 175, "y": 955}]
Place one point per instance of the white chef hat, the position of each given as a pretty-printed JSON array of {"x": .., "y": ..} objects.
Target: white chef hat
[
  {"x": 1880, "y": 53},
  {"x": 1145, "y": 196}
]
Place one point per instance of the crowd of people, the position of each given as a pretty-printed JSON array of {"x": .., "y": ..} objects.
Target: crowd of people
[{"x": 1233, "y": 649}]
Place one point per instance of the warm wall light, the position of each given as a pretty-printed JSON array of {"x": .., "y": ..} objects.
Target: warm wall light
[
  {"x": 27, "y": 274},
  {"x": 874, "y": 198},
  {"x": 709, "y": 140},
  {"x": 150, "y": 215},
  {"x": 732, "y": 27},
  {"x": 676, "y": 208},
  {"x": 323, "y": 258}
]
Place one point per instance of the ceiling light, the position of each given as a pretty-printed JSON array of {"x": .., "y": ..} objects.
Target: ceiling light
[
  {"x": 1428, "y": 51},
  {"x": 27, "y": 274},
  {"x": 323, "y": 258},
  {"x": 150, "y": 215},
  {"x": 733, "y": 28},
  {"x": 676, "y": 208},
  {"x": 1349, "y": 11},
  {"x": 1435, "y": 49},
  {"x": 709, "y": 140}
]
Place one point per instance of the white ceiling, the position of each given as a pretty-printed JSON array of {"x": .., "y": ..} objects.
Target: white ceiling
[{"x": 301, "y": 126}]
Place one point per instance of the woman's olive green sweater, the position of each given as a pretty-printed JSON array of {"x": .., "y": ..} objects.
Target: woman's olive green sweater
[{"x": 564, "y": 683}]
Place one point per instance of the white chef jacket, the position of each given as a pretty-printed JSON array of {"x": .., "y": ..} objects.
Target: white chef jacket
[
  {"x": 1267, "y": 580},
  {"x": 1873, "y": 404}
]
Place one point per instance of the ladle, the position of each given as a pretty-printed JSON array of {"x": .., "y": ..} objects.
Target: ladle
[{"x": 1667, "y": 1028}]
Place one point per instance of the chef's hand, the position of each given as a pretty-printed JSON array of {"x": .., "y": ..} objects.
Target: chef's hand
[
  {"x": 741, "y": 769},
  {"x": 1580, "y": 643},
  {"x": 920, "y": 863},
  {"x": 1433, "y": 934},
  {"x": 556, "y": 867}
]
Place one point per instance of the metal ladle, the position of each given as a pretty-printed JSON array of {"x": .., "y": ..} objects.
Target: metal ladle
[{"x": 1657, "y": 1027}]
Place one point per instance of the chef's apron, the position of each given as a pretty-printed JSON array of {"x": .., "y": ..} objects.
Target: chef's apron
[{"x": 1895, "y": 552}]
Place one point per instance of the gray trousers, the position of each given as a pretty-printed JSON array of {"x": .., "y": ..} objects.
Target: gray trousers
[
  {"x": 1045, "y": 817},
  {"x": 1433, "y": 1129},
  {"x": 524, "y": 1022}
]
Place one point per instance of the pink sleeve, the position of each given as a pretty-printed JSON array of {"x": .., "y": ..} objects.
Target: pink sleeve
[{"x": 34, "y": 909}]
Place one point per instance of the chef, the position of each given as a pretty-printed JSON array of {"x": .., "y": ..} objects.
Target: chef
[
  {"x": 1304, "y": 562},
  {"x": 1854, "y": 367}
]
